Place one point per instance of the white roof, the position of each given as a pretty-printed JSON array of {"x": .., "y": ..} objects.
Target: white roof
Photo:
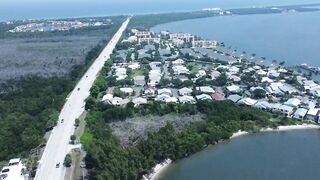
[
  {"x": 203, "y": 97},
  {"x": 126, "y": 90},
  {"x": 186, "y": 99},
  {"x": 164, "y": 90},
  {"x": 263, "y": 105},
  {"x": 185, "y": 90},
  {"x": 139, "y": 100},
  {"x": 107, "y": 97},
  {"x": 247, "y": 101},
  {"x": 205, "y": 89},
  {"x": 294, "y": 102},
  {"x": 233, "y": 88},
  {"x": 300, "y": 112},
  {"x": 313, "y": 111}
]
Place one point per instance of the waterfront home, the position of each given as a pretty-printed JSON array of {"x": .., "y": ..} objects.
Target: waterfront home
[
  {"x": 234, "y": 89},
  {"x": 205, "y": 89},
  {"x": 185, "y": 91},
  {"x": 204, "y": 44},
  {"x": 312, "y": 114},
  {"x": 283, "y": 109},
  {"x": 139, "y": 101},
  {"x": 203, "y": 97},
  {"x": 234, "y": 98},
  {"x": 247, "y": 101},
  {"x": 293, "y": 102},
  {"x": 217, "y": 96},
  {"x": 300, "y": 113},
  {"x": 187, "y": 99},
  {"x": 184, "y": 37}
]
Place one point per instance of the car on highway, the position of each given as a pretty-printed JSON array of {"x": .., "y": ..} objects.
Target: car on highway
[{"x": 57, "y": 165}]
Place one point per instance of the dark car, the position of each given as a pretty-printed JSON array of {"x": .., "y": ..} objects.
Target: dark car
[{"x": 57, "y": 165}]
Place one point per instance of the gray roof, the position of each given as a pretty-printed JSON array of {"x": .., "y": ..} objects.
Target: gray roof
[{"x": 234, "y": 98}]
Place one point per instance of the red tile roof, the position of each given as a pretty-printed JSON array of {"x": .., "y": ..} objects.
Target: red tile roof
[{"x": 217, "y": 96}]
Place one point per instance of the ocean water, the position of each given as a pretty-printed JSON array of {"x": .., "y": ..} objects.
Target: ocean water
[
  {"x": 40, "y": 9},
  {"x": 292, "y": 155},
  {"x": 290, "y": 37}
]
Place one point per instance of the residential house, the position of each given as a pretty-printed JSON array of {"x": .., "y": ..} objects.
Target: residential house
[
  {"x": 234, "y": 89},
  {"x": 127, "y": 90},
  {"x": 205, "y": 89},
  {"x": 217, "y": 96},
  {"x": 203, "y": 97},
  {"x": 293, "y": 102},
  {"x": 185, "y": 91},
  {"x": 139, "y": 80},
  {"x": 312, "y": 114},
  {"x": 247, "y": 101},
  {"x": 139, "y": 101},
  {"x": 300, "y": 113},
  {"x": 165, "y": 91},
  {"x": 263, "y": 105},
  {"x": 234, "y": 98},
  {"x": 187, "y": 99}
]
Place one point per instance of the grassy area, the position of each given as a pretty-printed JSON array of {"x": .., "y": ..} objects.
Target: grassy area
[
  {"x": 75, "y": 171},
  {"x": 138, "y": 72}
]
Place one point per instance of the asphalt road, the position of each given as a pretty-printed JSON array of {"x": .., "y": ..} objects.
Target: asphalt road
[{"x": 58, "y": 144}]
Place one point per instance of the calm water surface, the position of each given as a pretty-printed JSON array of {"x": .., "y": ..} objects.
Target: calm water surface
[
  {"x": 38, "y": 9},
  {"x": 290, "y": 37},
  {"x": 292, "y": 155}
]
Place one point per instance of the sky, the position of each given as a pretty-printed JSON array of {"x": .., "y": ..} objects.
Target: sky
[{"x": 40, "y": 9}]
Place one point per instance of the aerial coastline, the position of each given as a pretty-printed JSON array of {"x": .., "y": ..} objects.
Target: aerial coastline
[{"x": 161, "y": 96}]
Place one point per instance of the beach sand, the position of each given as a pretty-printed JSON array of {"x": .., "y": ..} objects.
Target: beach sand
[{"x": 157, "y": 170}]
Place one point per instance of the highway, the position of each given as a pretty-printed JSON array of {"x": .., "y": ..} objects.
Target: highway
[{"x": 58, "y": 143}]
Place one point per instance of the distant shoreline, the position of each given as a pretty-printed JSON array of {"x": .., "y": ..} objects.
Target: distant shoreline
[{"x": 278, "y": 129}]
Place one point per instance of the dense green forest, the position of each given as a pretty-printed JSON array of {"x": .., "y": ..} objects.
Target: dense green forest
[
  {"x": 30, "y": 106},
  {"x": 107, "y": 159}
]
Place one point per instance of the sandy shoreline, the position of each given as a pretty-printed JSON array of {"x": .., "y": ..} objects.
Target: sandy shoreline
[
  {"x": 157, "y": 170},
  {"x": 160, "y": 167},
  {"x": 279, "y": 128}
]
